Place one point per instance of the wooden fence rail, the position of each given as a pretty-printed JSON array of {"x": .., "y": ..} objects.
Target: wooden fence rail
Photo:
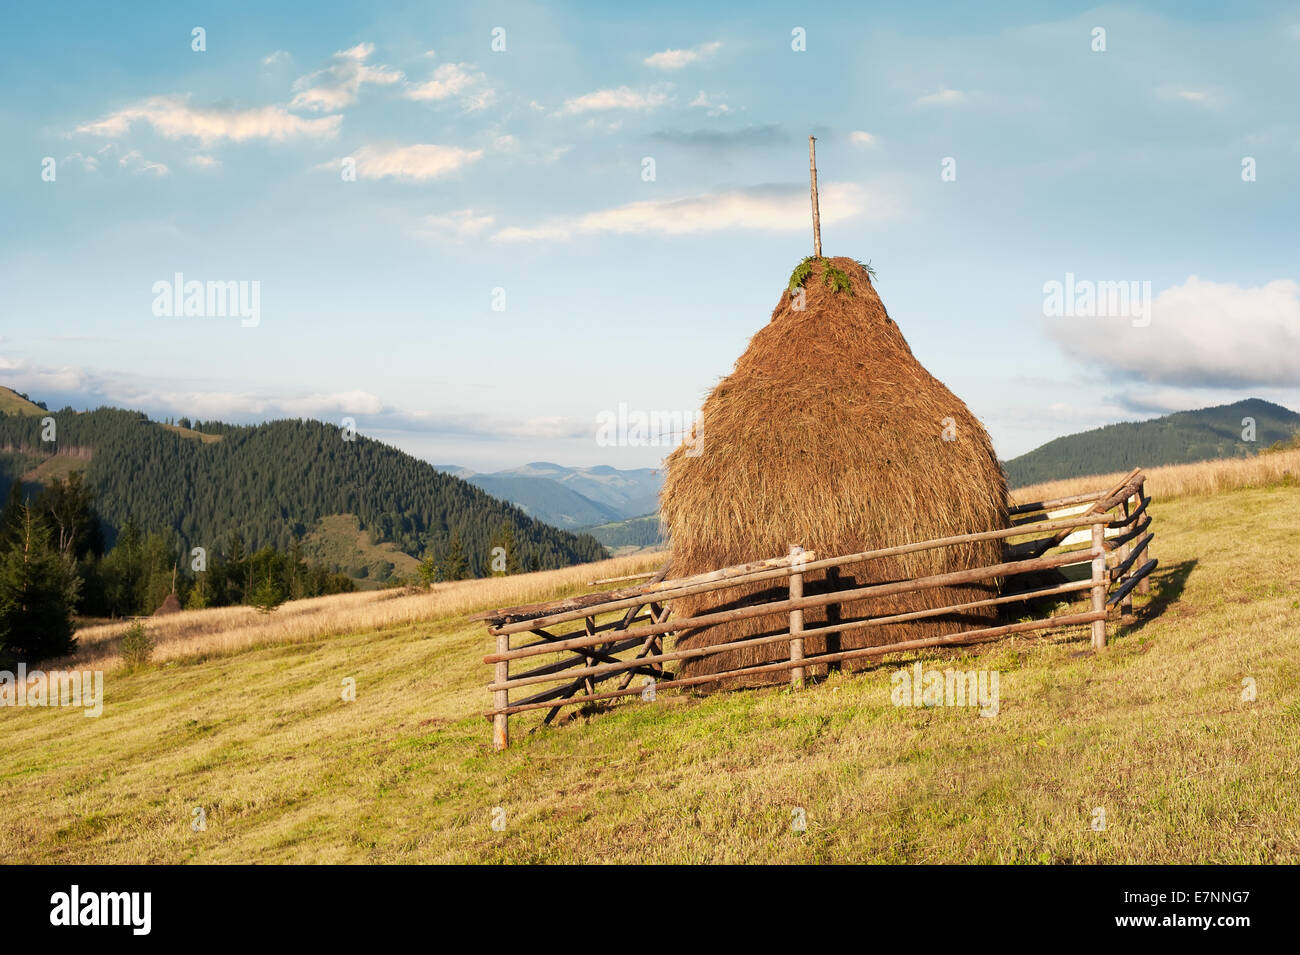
[{"x": 622, "y": 633}]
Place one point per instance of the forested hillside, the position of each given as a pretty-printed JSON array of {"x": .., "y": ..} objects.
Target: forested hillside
[
  {"x": 1179, "y": 438},
  {"x": 271, "y": 483},
  {"x": 645, "y": 531}
]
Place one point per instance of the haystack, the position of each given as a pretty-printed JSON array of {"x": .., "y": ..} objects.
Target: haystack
[
  {"x": 830, "y": 434},
  {"x": 171, "y": 605}
]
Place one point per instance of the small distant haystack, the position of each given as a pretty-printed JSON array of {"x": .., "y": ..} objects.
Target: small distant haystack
[
  {"x": 171, "y": 605},
  {"x": 829, "y": 434}
]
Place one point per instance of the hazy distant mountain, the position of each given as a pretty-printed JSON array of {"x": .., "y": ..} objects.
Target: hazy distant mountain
[
  {"x": 571, "y": 497},
  {"x": 1178, "y": 438},
  {"x": 546, "y": 500}
]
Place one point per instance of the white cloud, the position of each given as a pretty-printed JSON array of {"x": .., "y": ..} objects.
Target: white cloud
[
  {"x": 339, "y": 84},
  {"x": 416, "y": 162},
  {"x": 172, "y": 117},
  {"x": 277, "y": 57},
  {"x": 944, "y": 97},
  {"x": 38, "y": 380},
  {"x": 57, "y": 384},
  {"x": 713, "y": 105},
  {"x": 136, "y": 163},
  {"x": 1208, "y": 98},
  {"x": 88, "y": 163},
  {"x": 859, "y": 138},
  {"x": 1201, "y": 334},
  {"x": 765, "y": 208},
  {"x": 676, "y": 59},
  {"x": 454, "y": 80},
  {"x": 200, "y": 161},
  {"x": 624, "y": 97},
  {"x": 91, "y": 387},
  {"x": 462, "y": 223}
]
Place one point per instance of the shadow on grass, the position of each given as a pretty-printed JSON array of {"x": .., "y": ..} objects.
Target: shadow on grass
[{"x": 1167, "y": 585}]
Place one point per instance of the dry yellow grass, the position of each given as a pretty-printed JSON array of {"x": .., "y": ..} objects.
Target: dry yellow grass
[
  {"x": 198, "y": 634},
  {"x": 1179, "y": 480}
]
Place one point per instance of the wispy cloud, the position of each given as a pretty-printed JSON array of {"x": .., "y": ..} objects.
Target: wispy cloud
[
  {"x": 712, "y": 104},
  {"x": 174, "y": 117},
  {"x": 1197, "y": 97},
  {"x": 860, "y": 138},
  {"x": 943, "y": 97},
  {"x": 459, "y": 224},
  {"x": 88, "y": 388},
  {"x": 88, "y": 163},
  {"x": 417, "y": 162},
  {"x": 723, "y": 140},
  {"x": 454, "y": 81},
  {"x": 339, "y": 84},
  {"x": 624, "y": 97},
  {"x": 677, "y": 59},
  {"x": 276, "y": 57},
  {"x": 765, "y": 208},
  {"x": 135, "y": 162}
]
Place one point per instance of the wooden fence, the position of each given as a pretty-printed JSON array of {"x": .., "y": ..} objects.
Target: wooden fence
[{"x": 621, "y": 634}]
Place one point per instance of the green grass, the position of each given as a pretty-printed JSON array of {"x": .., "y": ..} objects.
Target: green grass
[
  {"x": 338, "y": 541},
  {"x": 1154, "y": 731},
  {"x": 13, "y": 403},
  {"x": 833, "y": 278}
]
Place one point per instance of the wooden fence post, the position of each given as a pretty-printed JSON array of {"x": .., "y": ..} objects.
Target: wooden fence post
[
  {"x": 796, "y": 624},
  {"x": 1099, "y": 585},
  {"x": 501, "y": 698}
]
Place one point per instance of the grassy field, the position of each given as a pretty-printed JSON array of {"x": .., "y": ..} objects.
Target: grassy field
[
  {"x": 1155, "y": 732},
  {"x": 1182, "y": 480}
]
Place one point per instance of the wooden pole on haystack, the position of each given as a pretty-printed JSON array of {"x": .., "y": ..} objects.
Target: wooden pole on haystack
[{"x": 817, "y": 218}]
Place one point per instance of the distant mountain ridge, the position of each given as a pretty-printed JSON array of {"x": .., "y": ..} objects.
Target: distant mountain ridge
[
  {"x": 571, "y": 497},
  {"x": 1179, "y": 438}
]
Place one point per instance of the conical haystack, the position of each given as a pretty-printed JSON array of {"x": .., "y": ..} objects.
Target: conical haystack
[
  {"x": 171, "y": 605},
  {"x": 829, "y": 434}
]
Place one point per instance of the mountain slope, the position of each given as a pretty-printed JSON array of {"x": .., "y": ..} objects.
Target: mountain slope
[
  {"x": 571, "y": 497},
  {"x": 1179, "y": 438},
  {"x": 546, "y": 500},
  {"x": 273, "y": 482},
  {"x": 11, "y": 402},
  {"x": 631, "y": 493},
  {"x": 632, "y": 534}
]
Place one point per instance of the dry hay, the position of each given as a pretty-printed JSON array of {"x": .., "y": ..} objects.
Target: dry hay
[
  {"x": 829, "y": 434},
  {"x": 171, "y": 605}
]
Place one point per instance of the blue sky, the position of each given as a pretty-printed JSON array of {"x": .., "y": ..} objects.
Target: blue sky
[{"x": 522, "y": 170}]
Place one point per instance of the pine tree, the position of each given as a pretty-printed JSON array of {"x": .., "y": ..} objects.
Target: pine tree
[
  {"x": 455, "y": 566},
  {"x": 200, "y": 594},
  {"x": 11, "y": 518},
  {"x": 267, "y": 595},
  {"x": 428, "y": 571},
  {"x": 513, "y": 564},
  {"x": 38, "y": 596}
]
